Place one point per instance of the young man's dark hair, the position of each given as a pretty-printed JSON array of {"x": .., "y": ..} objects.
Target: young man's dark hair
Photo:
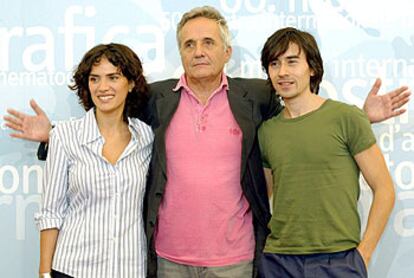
[{"x": 279, "y": 42}]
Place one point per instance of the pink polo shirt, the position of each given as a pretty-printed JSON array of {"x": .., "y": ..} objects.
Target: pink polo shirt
[{"x": 204, "y": 218}]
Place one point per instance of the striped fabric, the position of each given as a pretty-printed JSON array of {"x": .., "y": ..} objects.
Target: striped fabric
[{"x": 96, "y": 206}]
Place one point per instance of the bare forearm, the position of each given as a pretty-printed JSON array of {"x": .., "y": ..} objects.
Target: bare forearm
[
  {"x": 373, "y": 167},
  {"x": 48, "y": 239},
  {"x": 382, "y": 205}
]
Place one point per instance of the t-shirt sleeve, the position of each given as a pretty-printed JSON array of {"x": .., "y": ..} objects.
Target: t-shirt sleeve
[{"x": 359, "y": 134}]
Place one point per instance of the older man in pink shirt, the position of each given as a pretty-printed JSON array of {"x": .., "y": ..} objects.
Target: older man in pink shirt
[{"x": 204, "y": 140}]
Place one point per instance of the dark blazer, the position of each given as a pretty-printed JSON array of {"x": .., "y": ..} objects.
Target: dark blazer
[{"x": 251, "y": 101}]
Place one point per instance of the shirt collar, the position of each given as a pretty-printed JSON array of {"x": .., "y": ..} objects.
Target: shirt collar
[
  {"x": 90, "y": 131},
  {"x": 182, "y": 84},
  {"x": 134, "y": 128}
]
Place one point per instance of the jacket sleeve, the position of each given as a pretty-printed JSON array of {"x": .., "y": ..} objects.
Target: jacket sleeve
[{"x": 42, "y": 151}]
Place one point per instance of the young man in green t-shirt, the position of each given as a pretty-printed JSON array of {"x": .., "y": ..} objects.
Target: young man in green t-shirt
[{"x": 315, "y": 149}]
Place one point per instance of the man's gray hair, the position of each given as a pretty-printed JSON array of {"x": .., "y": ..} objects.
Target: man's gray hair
[{"x": 210, "y": 13}]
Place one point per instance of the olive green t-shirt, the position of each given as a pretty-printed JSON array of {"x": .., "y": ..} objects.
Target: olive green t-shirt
[{"x": 315, "y": 178}]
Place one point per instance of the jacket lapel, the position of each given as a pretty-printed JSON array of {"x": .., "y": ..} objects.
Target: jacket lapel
[
  {"x": 242, "y": 109},
  {"x": 165, "y": 107}
]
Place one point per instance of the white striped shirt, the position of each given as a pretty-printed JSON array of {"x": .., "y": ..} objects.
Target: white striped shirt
[{"x": 96, "y": 206}]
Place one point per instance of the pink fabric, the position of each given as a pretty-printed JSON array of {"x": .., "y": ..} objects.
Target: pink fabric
[{"x": 204, "y": 218}]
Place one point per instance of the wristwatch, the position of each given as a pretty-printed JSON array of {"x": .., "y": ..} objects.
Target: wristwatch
[{"x": 45, "y": 275}]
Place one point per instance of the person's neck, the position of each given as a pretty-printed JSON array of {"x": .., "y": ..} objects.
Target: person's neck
[
  {"x": 302, "y": 105},
  {"x": 110, "y": 123},
  {"x": 203, "y": 88}
]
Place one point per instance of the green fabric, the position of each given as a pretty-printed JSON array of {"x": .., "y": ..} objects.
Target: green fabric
[{"x": 315, "y": 178}]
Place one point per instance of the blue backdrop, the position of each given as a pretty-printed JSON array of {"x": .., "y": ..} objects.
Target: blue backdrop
[{"x": 41, "y": 41}]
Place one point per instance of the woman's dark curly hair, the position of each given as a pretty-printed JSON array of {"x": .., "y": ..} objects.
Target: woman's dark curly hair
[{"x": 127, "y": 61}]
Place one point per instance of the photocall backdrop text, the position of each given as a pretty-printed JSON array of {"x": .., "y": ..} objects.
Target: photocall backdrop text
[{"x": 42, "y": 41}]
